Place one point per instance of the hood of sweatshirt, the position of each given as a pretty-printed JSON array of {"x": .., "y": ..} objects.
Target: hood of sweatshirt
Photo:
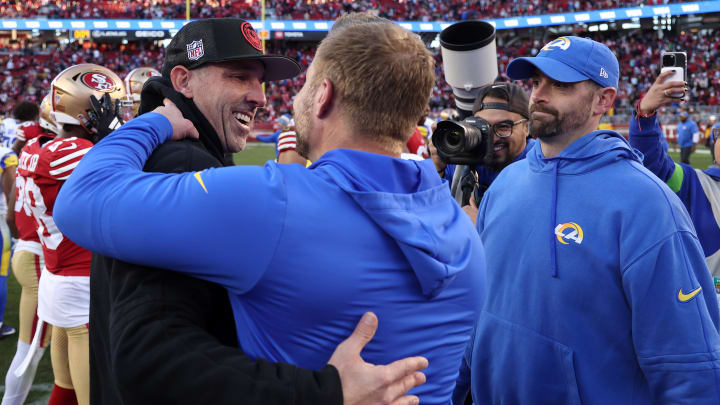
[
  {"x": 409, "y": 201},
  {"x": 158, "y": 88}
]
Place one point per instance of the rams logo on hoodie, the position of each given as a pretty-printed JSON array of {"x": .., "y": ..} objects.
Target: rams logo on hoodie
[{"x": 569, "y": 231}]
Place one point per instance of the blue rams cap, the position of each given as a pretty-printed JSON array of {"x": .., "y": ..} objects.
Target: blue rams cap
[
  {"x": 684, "y": 114},
  {"x": 569, "y": 60}
]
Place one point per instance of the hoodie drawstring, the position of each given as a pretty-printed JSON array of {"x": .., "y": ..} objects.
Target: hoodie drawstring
[{"x": 553, "y": 219}]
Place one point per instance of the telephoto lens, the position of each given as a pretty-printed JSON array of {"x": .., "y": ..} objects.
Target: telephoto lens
[{"x": 469, "y": 58}]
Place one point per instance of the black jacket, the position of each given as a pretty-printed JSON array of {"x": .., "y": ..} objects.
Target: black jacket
[{"x": 158, "y": 337}]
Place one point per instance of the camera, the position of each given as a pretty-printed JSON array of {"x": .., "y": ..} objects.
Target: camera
[
  {"x": 468, "y": 142},
  {"x": 668, "y": 59}
]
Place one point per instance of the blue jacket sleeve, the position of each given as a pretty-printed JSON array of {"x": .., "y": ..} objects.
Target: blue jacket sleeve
[
  {"x": 268, "y": 138},
  {"x": 645, "y": 135},
  {"x": 221, "y": 225},
  {"x": 674, "y": 311}
]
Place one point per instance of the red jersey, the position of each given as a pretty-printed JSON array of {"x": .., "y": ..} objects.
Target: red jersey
[
  {"x": 46, "y": 172},
  {"x": 417, "y": 145},
  {"x": 28, "y": 130},
  {"x": 24, "y": 221}
]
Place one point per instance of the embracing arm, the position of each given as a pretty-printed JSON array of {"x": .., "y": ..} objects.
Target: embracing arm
[{"x": 191, "y": 222}]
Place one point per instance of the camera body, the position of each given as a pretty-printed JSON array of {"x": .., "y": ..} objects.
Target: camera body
[
  {"x": 677, "y": 63},
  {"x": 468, "y": 142}
]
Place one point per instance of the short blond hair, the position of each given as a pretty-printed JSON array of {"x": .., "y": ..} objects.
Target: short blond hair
[{"x": 382, "y": 73}]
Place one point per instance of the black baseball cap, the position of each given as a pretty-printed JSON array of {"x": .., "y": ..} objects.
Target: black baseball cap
[
  {"x": 223, "y": 39},
  {"x": 517, "y": 100}
]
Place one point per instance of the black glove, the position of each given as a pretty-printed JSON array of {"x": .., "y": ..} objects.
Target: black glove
[{"x": 104, "y": 116}]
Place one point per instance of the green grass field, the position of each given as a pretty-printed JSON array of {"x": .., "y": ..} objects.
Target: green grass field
[
  {"x": 255, "y": 154},
  {"x": 698, "y": 160}
]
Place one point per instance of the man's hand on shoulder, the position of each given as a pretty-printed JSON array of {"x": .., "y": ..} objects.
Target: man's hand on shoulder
[
  {"x": 182, "y": 127},
  {"x": 365, "y": 383}
]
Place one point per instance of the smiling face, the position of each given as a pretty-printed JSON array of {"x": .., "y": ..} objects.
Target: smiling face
[
  {"x": 228, "y": 94},
  {"x": 508, "y": 148}
]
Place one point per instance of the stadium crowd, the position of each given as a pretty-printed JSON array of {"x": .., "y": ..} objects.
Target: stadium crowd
[
  {"x": 409, "y": 10},
  {"x": 25, "y": 75}
]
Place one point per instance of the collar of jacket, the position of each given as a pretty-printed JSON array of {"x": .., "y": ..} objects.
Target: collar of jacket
[{"x": 158, "y": 88}]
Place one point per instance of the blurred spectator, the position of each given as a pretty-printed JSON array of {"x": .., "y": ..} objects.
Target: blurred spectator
[
  {"x": 26, "y": 75},
  {"x": 409, "y": 10}
]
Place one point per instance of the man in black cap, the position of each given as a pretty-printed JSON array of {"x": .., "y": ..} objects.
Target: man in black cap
[
  {"x": 161, "y": 337},
  {"x": 505, "y": 107}
]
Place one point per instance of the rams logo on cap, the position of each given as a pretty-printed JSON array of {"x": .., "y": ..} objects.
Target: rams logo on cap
[
  {"x": 562, "y": 43},
  {"x": 195, "y": 50},
  {"x": 575, "y": 234}
]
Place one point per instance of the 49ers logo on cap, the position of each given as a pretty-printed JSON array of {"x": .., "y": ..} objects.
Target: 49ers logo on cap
[
  {"x": 195, "y": 50},
  {"x": 98, "y": 81},
  {"x": 251, "y": 36}
]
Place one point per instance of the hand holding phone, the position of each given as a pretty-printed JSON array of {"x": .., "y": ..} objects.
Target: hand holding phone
[{"x": 676, "y": 62}]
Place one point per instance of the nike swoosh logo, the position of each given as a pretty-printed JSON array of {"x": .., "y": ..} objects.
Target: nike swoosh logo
[
  {"x": 71, "y": 147},
  {"x": 200, "y": 180},
  {"x": 687, "y": 297}
]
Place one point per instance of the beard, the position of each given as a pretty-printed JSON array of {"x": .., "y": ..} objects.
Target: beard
[
  {"x": 303, "y": 127},
  {"x": 560, "y": 123},
  {"x": 500, "y": 162},
  {"x": 301, "y": 144}
]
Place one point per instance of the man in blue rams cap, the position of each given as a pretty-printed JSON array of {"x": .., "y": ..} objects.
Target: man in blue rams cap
[{"x": 609, "y": 300}]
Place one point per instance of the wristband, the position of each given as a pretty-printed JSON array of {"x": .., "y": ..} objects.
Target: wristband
[{"x": 639, "y": 113}]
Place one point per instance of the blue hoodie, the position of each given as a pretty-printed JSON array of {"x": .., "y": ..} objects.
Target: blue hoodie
[
  {"x": 683, "y": 179},
  {"x": 302, "y": 252},
  {"x": 598, "y": 291}
]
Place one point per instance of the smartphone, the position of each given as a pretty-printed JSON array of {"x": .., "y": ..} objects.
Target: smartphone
[{"x": 677, "y": 63}]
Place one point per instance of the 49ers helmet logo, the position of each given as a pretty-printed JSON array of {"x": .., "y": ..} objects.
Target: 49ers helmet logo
[
  {"x": 251, "y": 36},
  {"x": 98, "y": 81}
]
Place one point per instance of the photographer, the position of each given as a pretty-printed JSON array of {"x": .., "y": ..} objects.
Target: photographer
[
  {"x": 699, "y": 190},
  {"x": 505, "y": 107}
]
